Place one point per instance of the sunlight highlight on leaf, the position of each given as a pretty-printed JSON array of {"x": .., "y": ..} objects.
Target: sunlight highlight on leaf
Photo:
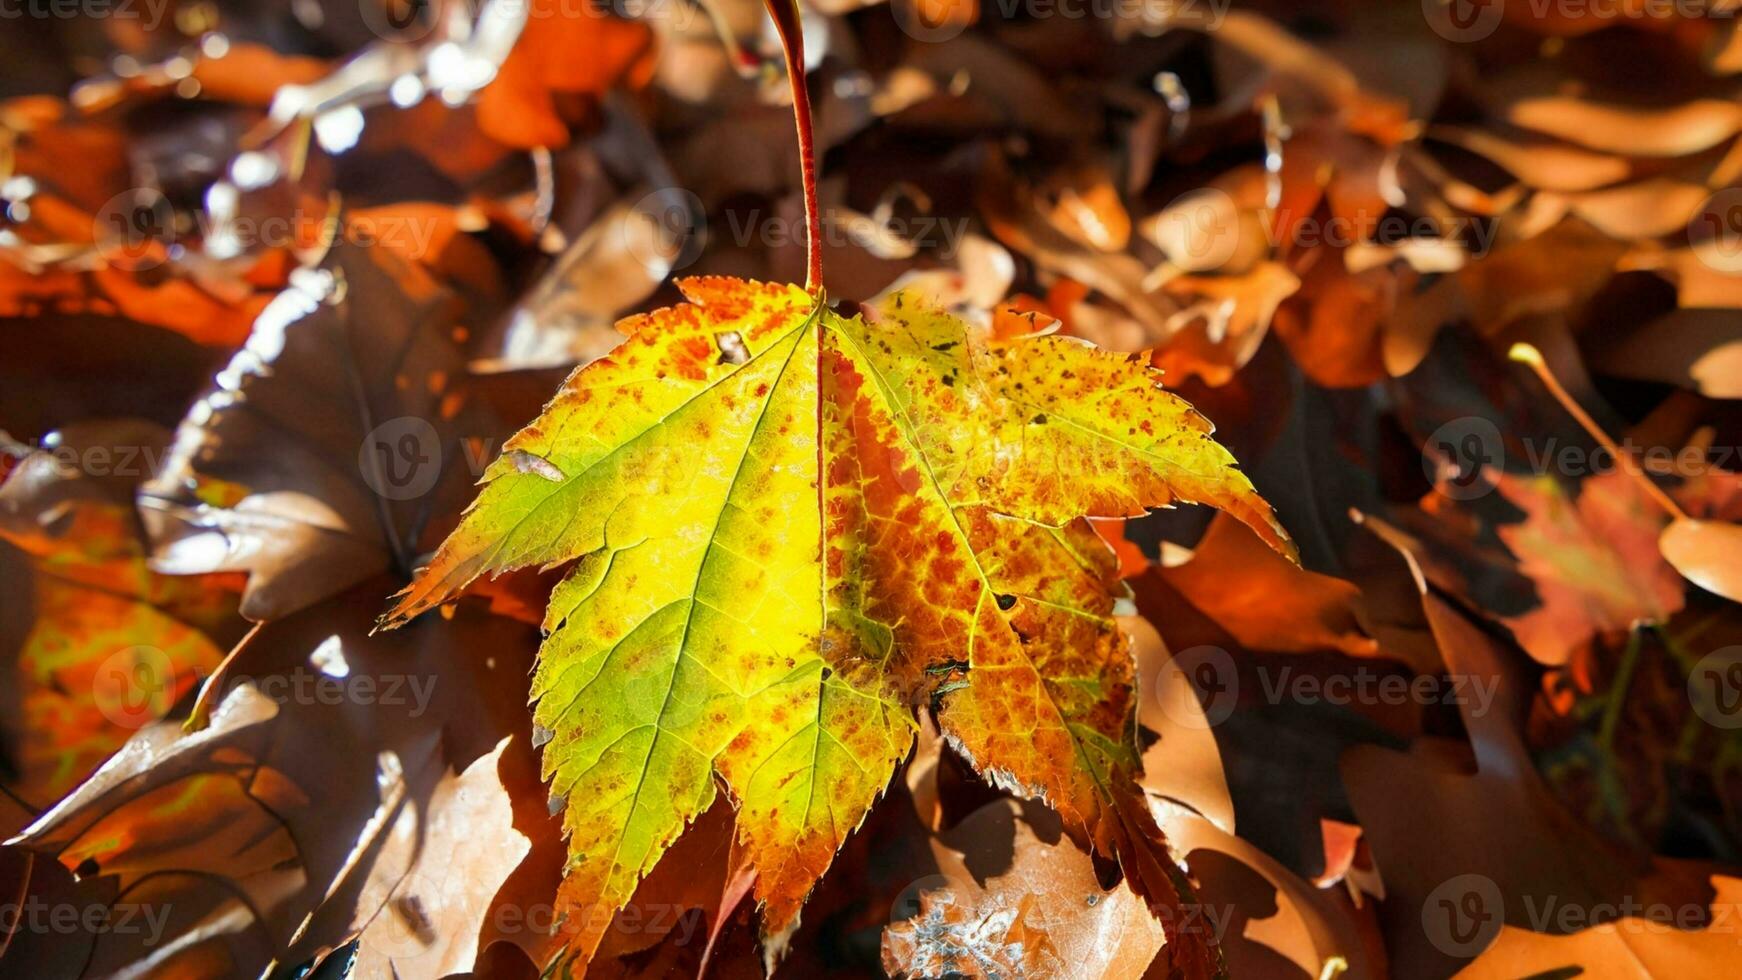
[{"x": 790, "y": 530}]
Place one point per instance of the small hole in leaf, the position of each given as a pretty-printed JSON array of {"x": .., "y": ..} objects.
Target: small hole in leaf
[{"x": 732, "y": 349}]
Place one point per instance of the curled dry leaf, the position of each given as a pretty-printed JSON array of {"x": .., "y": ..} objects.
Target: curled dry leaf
[
  {"x": 1516, "y": 847},
  {"x": 1707, "y": 553},
  {"x": 351, "y": 375},
  {"x": 347, "y": 786},
  {"x": 1267, "y": 920},
  {"x": 97, "y": 645},
  {"x": 570, "y": 316},
  {"x": 1636, "y": 947}
]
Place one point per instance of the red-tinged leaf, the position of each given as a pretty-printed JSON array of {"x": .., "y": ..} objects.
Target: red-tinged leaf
[{"x": 793, "y": 527}]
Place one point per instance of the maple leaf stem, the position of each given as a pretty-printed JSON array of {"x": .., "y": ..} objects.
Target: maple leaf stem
[
  {"x": 1528, "y": 355},
  {"x": 786, "y": 21}
]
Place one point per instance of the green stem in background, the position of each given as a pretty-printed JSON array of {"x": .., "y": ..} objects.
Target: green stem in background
[
  {"x": 1676, "y": 644},
  {"x": 786, "y": 21},
  {"x": 1618, "y": 691},
  {"x": 1614, "y": 793}
]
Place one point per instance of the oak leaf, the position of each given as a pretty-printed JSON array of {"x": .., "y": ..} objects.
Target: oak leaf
[
  {"x": 317, "y": 454},
  {"x": 791, "y": 528},
  {"x": 347, "y": 787},
  {"x": 1515, "y": 848}
]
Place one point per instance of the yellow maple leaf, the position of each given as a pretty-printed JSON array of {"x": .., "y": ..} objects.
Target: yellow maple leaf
[{"x": 790, "y": 530}]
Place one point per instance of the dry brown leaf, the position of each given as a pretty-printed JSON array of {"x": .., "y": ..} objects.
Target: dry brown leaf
[
  {"x": 1268, "y": 604},
  {"x": 1014, "y": 898},
  {"x": 347, "y": 785}
]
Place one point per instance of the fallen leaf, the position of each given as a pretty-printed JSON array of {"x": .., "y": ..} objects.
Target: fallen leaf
[
  {"x": 352, "y": 376},
  {"x": 347, "y": 786},
  {"x": 946, "y": 483},
  {"x": 1707, "y": 553},
  {"x": 103, "y": 645},
  {"x": 531, "y": 101},
  {"x": 1265, "y": 601},
  {"x": 1012, "y": 897},
  {"x": 1594, "y": 559},
  {"x": 1516, "y": 850}
]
